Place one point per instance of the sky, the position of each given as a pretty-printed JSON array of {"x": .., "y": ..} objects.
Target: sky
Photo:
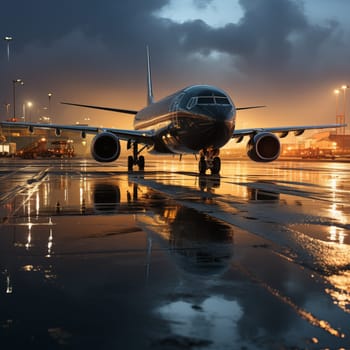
[{"x": 287, "y": 54}]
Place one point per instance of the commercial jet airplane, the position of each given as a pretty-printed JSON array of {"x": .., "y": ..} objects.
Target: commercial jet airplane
[{"x": 199, "y": 119}]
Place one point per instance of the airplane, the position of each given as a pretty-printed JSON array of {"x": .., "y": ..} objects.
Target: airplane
[{"x": 198, "y": 119}]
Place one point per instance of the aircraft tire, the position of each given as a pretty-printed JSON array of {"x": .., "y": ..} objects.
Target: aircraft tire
[
  {"x": 141, "y": 163},
  {"x": 202, "y": 166},
  {"x": 130, "y": 163},
  {"x": 215, "y": 170}
]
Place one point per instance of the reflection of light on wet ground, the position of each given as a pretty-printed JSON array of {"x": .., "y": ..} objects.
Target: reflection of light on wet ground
[
  {"x": 37, "y": 204},
  {"x": 337, "y": 234},
  {"x": 328, "y": 252},
  {"x": 49, "y": 244},
  {"x": 333, "y": 184},
  {"x": 29, "y": 268},
  {"x": 29, "y": 239},
  {"x": 172, "y": 165},
  {"x": 8, "y": 285},
  {"x": 327, "y": 232},
  {"x": 340, "y": 289}
]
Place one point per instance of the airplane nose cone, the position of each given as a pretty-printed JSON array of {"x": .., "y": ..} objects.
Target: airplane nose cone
[
  {"x": 220, "y": 127},
  {"x": 220, "y": 113}
]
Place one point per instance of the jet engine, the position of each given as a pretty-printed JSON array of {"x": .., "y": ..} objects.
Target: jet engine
[
  {"x": 105, "y": 147},
  {"x": 263, "y": 147}
]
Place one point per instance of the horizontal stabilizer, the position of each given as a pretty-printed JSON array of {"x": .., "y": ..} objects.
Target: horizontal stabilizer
[
  {"x": 118, "y": 110},
  {"x": 249, "y": 107}
]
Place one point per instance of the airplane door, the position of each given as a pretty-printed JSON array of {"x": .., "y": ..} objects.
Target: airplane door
[{"x": 174, "y": 108}]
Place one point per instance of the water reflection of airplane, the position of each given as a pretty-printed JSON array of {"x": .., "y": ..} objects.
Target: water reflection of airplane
[
  {"x": 258, "y": 194},
  {"x": 203, "y": 245},
  {"x": 208, "y": 183}
]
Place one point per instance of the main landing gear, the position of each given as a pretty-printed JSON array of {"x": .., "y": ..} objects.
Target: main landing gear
[
  {"x": 209, "y": 159},
  {"x": 135, "y": 159}
]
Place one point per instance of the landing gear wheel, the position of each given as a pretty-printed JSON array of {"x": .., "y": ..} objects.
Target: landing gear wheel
[
  {"x": 130, "y": 163},
  {"x": 135, "y": 159},
  {"x": 141, "y": 163},
  {"x": 202, "y": 166},
  {"x": 215, "y": 170}
]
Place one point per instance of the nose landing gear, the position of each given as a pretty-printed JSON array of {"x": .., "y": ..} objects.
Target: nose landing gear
[{"x": 209, "y": 159}]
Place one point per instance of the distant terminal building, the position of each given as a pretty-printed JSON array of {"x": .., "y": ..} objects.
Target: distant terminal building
[
  {"x": 330, "y": 140},
  {"x": 325, "y": 144}
]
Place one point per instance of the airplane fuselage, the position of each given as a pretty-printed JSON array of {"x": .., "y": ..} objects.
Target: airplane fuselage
[{"x": 193, "y": 119}]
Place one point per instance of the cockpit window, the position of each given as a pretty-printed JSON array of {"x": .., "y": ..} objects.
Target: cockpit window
[
  {"x": 222, "y": 100},
  {"x": 207, "y": 100},
  {"x": 204, "y": 100},
  {"x": 192, "y": 102}
]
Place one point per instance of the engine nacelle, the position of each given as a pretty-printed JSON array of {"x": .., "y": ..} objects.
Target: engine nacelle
[
  {"x": 264, "y": 147},
  {"x": 105, "y": 147}
]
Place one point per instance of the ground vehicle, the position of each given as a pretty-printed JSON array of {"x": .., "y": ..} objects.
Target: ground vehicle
[
  {"x": 61, "y": 149},
  {"x": 7, "y": 149},
  {"x": 316, "y": 153},
  {"x": 39, "y": 148}
]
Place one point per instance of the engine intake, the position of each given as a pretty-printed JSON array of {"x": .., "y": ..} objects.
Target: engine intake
[
  {"x": 263, "y": 147},
  {"x": 105, "y": 147}
]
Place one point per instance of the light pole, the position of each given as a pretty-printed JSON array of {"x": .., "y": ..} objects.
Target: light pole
[
  {"x": 8, "y": 39},
  {"x": 336, "y": 93},
  {"x": 14, "y": 82},
  {"x": 344, "y": 88},
  {"x": 49, "y": 95},
  {"x": 7, "y": 106},
  {"x": 29, "y": 105}
]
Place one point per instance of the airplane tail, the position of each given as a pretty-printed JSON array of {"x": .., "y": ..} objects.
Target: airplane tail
[{"x": 149, "y": 79}]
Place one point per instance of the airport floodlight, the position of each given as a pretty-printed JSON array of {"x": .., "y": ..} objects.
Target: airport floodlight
[
  {"x": 8, "y": 39},
  {"x": 49, "y": 96},
  {"x": 18, "y": 81}
]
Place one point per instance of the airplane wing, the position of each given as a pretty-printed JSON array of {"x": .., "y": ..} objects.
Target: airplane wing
[
  {"x": 144, "y": 137},
  {"x": 110, "y": 109},
  {"x": 248, "y": 107},
  {"x": 282, "y": 131}
]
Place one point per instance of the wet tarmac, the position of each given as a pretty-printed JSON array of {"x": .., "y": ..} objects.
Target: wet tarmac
[{"x": 92, "y": 257}]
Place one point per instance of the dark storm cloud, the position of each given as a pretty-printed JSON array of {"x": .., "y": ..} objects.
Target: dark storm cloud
[
  {"x": 268, "y": 37},
  {"x": 77, "y": 41},
  {"x": 272, "y": 33},
  {"x": 264, "y": 33},
  {"x": 46, "y": 21}
]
